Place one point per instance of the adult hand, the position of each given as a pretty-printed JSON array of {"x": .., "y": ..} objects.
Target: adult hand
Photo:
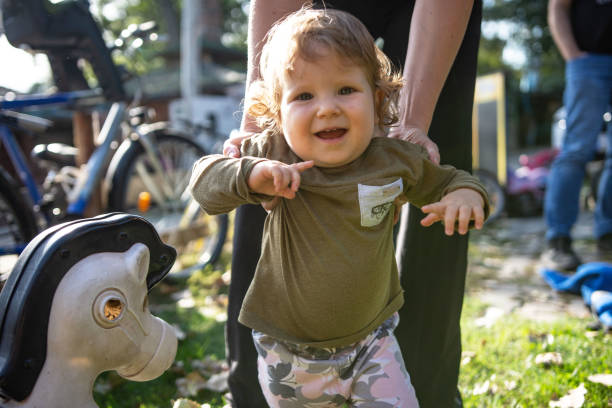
[
  {"x": 231, "y": 146},
  {"x": 417, "y": 136}
]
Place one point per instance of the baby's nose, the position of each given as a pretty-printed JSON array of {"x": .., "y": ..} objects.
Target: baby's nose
[{"x": 328, "y": 107}]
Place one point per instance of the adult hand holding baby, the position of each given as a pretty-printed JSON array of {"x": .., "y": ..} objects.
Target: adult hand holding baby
[
  {"x": 231, "y": 146},
  {"x": 416, "y": 135}
]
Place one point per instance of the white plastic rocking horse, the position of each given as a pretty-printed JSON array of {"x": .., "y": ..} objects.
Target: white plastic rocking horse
[{"x": 88, "y": 280}]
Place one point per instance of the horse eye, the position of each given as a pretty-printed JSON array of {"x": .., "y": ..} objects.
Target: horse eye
[{"x": 113, "y": 309}]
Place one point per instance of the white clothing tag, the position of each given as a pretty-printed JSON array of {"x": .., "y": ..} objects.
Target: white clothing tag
[{"x": 375, "y": 201}]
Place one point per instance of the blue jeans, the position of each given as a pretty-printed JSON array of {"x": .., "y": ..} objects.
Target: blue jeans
[{"x": 588, "y": 93}]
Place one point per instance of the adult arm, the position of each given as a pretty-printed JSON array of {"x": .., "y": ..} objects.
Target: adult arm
[
  {"x": 436, "y": 33},
  {"x": 262, "y": 15},
  {"x": 561, "y": 29}
]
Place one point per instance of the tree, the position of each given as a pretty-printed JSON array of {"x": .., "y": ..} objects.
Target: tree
[
  {"x": 225, "y": 21},
  {"x": 526, "y": 23}
]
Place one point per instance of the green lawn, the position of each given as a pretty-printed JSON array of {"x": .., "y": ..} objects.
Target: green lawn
[{"x": 499, "y": 367}]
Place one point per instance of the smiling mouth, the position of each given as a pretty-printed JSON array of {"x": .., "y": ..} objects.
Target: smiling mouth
[{"x": 329, "y": 134}]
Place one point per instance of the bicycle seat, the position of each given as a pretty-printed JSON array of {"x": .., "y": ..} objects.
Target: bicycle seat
[{"x": 57, "y": 153}]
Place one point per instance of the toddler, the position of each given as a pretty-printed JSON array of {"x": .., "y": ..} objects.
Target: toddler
[{"x": 323, "y": 302}]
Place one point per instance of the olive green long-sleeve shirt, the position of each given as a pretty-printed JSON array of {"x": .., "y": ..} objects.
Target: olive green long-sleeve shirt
[{"x": 327, "y": 275}]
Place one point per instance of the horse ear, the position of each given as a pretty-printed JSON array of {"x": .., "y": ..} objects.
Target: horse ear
[{"x": 137, "y": 260}]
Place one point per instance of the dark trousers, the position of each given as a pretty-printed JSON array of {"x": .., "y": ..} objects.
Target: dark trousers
[{"x": 432, "y": 265}]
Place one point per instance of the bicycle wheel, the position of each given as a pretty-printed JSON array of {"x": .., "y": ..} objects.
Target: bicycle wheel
[
  {"x": 17, "y": 222},
  {"x": 496, "y": 193},
  {"x": 198, "y": 237}
]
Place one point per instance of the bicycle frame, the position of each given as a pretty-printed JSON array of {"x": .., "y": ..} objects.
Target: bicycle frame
[{"x": 95, "y": 166}]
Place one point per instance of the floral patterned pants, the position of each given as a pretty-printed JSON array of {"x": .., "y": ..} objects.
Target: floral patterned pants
[{"x": 369, "y": 373}]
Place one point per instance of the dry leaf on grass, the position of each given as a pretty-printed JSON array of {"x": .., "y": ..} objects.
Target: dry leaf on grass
[
  {"x": 605, "y": 379},
  {"x": 218, "y": 382},
  {"x": 482, "y": 388},
  {"x": 548, "y": 359},
  {"x": 573, "y": 399},
  {"x": 191, "y": 384},
  {"x": 467, "y": 356},
  {"x": 185, "y": 403}
]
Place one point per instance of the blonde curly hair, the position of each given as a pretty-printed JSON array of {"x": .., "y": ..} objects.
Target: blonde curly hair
[{"x": 301, "y": 35}]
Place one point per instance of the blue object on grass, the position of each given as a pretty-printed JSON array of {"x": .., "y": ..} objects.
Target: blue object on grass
[{"x": 593, "y": 280}]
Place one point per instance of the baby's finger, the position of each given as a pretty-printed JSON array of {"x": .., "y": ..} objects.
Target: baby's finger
[
  {"x": 450, "y": 215},
  {"x": 430, "y": 219},
  {"x": 465, "y": 213},
  {"x": 301, "y": 166},
  {"x": 435, "y": 207},
  {"x": 295, "y": 179},
  {"x": 280, "y": 179},
  {"x": 478, "y": 217}
]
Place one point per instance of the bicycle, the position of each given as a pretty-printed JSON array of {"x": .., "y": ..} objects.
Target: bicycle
[{"x": 151, "y": 158}]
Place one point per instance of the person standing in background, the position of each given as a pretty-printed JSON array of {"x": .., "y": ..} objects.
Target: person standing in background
[
  {"x": 582, "y": 30},
  {"x": 435, "y": 112}
]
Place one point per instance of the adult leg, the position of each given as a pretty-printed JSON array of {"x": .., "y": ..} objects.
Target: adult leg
[
  {"x": 603, "y": 211},
  {"x": 587, "y": 95},
  {"x": 432, "y": 265},
  {"x": 241, "y": 353}
]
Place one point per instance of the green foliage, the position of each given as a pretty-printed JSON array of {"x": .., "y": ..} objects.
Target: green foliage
[
  {"x": 167, "y": 15},
  {"x": 235, "y": 24},
  {"x": 526, "y": 21}
]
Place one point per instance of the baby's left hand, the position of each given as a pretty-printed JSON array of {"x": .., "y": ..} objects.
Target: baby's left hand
[{"x": 461, "y": 205}]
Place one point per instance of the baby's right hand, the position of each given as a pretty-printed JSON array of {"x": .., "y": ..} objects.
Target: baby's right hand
[{"x": 274, "y": 178}]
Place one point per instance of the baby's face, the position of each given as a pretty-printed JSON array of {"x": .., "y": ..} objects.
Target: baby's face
[{"x": 327, "y": 110}]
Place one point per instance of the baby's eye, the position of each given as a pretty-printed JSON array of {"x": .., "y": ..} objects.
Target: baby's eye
[
  {"x": 303, "y": 96},
  {"x": 347, "y": 90}
]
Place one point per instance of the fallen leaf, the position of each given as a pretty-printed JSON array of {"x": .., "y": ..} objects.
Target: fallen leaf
[
  {"x": 573, "y": 399},
  {"x": 480, "y": 389},
  {"x": 510, "y": 384},
  {"x": 467, "y": 356},
  {"x": 605, "y": 379},
  {"x": 227, "y": 277},
  {"x": 185, "y": 403},
  {"x": 218, "y": 382},
  {"x": 548, "y": 359},
  {"x": 209, "y": 366},
  {"x": 190, "y": 384}
]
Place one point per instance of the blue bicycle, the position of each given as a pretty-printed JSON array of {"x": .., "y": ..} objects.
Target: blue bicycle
[{"x": 151, "y": 158}]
